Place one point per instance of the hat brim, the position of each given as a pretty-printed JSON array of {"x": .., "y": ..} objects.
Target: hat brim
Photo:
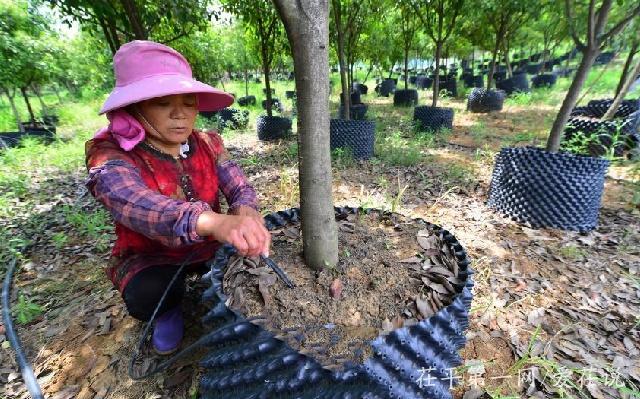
[{"x": 209, "y": 98}]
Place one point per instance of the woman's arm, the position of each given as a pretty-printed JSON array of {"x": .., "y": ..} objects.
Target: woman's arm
[
  {"x": 235, "y": 186},
  {"x": 119, "y": 186}
]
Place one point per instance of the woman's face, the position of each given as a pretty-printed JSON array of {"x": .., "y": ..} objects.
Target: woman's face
[{"x": 172, "y": 117}]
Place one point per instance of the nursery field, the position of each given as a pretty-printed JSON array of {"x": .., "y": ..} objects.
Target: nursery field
[{"x": 554, "y": 314}]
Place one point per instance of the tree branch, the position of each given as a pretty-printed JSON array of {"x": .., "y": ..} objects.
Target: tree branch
[
  {"x": 572, "y": 31},
  {"x": 620, "y": 25}
]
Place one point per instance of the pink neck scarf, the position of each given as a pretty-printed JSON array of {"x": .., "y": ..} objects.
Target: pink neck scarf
[{"x": 124, "y": 128}]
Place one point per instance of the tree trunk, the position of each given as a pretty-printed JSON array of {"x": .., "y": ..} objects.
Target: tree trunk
[
  {"x": 23, "y": 90},
  {"x": 131, "y": 10},
  {"x": 57, "y": 91},
  {"x": 555, "y": 137},
  {"x": 406, "y": 68},
  {"x": 107, "y": 35},
  {"x": 492, "y": 68},
  {"x": 368, "y": 72},
  {"x": 308, "y": 32},
  {"x": 14, "y": 109},
  {"x": 632, "y": 76},
  {"x": 43, "y": 106},
  {"x": 246, "y": 82},
  {"x": 346, "y": 98},
  {"x": 507, "y": 59},
  {"x": 267, "y": 85},
  {"x": 436, "y": 76},
  {"x": 627, "y": 66}
]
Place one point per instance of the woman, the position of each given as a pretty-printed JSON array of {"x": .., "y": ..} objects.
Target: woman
[{"x": 160, "y": 180}]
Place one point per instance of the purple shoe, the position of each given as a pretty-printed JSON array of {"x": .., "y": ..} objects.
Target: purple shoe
[{"x": 168, "y": 331}]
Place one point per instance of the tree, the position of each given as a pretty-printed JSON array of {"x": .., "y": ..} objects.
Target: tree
[
  {"x": 345, "y": 15},
  {"x": 596, "y": 35},
  {"x": 22, "y": 52},
  {"x": 505, "y": 17},
  {"x": 408, "y": 27},
  {"x": 125, "y": 20},
  {"x": 307, "y": 27},
  {"x": 439, "y": 20},
  {"x": 261, "y": 19}
]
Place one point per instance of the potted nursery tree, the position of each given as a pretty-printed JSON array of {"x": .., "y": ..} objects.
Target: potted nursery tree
[
  {"x": 408, "y": 22},
  {"x": 356, "y": 135},
  {"x": 439, "y": 20},
  {"x": 261, "y": 19},
  {"x": 503, "y": 17},
  {"x": 547, "y": 188}
]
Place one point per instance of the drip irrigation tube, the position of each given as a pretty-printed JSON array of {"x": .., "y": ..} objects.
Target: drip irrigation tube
[{"x": 25, "y": 367}]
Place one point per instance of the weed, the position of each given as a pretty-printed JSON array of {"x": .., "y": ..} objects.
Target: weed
[
  {"x": 396, "y": 201},
  {"x": 399, "y": 151},
  {"x": 479, "y": 131},
  {"x": 289, "y": 188},
  {"x": 25, "y": 310},
  {"x": 252, "y": 160},
  {"x": 342, "y": 157},
  {"x": 95, "y": 226},
  {"x": 59, "y": 240},
  {"x": 602, "y": 140},
  {"x": 573, "y": 252}
]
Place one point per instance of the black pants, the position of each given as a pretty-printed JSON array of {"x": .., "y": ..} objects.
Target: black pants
[{"x": 144, "y": 290}]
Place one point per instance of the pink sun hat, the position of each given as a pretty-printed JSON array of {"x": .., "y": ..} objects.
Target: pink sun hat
[{"x": 145, "y": 69}]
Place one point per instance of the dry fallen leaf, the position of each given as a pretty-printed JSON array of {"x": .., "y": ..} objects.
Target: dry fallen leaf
[
  {"x": 423, "y": 307},
  {"x": 336, "y": 289}
]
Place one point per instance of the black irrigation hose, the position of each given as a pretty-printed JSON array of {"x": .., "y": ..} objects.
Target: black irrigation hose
[{"x": 25, "y": 367}]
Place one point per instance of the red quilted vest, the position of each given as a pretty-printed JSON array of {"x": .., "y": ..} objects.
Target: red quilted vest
[{"x": 133, "y": 251}]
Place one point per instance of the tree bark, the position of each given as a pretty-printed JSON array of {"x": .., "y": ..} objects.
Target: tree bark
[
  {"x": 436, "y": 76},
  {"x": 14, "y": 109},
  {"x": 627, "y": 66},
  {"x": 631, "y": 77},
  {"x": 23, "y": 90},
  {"x": 307, "y": 27},
  {"x": 406, "y": 68},
  {"x": 107, "y": 35},
  {"x": 555, "y": 137},
  {"x": 131, "y": 10},
  {"x": 492, "y": 68},
  {"x": 507, "y": 60},
  {"x": 43, "y": 106}
]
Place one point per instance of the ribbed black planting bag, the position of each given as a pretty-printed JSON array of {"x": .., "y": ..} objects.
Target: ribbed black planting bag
[
  {"x": 545, "y": 189},
  {"x": 423, "y": 82},
  {"x": 473, "y": 81},
  {"x": 626, "y": 129},
  {"x": 405, "y": 98},
  {"x": 273, "y": 127},
  {"x": 246, "y": 361},
  {"x": 533, "y": 69},
  {"x": 233, "y": 118},
  {"x": 517, "y": 83},
  {"x": 387, "y": 87},
  {"x": 450, "y": 86},
  {"x": 357, "y": 135},
  {"x": 544, "y": 80},
  {"x": 597, "y": 108},
  {"x": 433, "y": 118},
  {"x": 245, "y": 101},
  {"x": 481, "y": 100},
  {"x": 358, "y": 111}
]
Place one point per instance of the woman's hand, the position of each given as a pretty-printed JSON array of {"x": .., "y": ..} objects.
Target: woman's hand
[{"x": 245, "y": 230}]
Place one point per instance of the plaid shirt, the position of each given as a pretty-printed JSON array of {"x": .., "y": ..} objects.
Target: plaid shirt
[{"x": 119, "y": 186}]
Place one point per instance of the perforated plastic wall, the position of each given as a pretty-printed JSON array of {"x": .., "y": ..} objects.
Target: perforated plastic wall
[{"x": 246, "y": 361}]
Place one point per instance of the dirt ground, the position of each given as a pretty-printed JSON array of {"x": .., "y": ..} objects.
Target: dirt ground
[{"x": 555, "y": 314}]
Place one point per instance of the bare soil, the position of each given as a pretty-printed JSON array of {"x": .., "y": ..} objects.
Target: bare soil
[{"x": 337, "y": 311}]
